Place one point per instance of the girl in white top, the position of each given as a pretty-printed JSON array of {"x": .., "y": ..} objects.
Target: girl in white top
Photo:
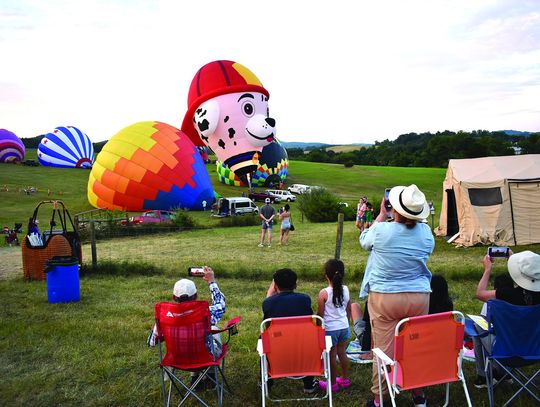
[{"x": 335, "y": 308}]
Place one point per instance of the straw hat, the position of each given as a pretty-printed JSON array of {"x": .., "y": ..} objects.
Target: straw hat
[
  {"x": 409, "y": 202},
  {"x": 524, "y": 268}
]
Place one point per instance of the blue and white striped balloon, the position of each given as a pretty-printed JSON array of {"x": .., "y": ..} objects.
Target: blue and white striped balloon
[{"x": 66, "y": 147}]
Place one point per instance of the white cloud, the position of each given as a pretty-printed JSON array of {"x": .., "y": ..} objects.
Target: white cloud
[{"x": 343, "y": 72}]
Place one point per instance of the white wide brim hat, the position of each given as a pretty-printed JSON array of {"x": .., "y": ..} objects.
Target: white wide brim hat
[
  {"x": 524, "y": 268},
  {"x": 409, "y": 202}
]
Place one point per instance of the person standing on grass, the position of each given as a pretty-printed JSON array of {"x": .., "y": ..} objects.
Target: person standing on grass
[
  {"x": 361, "y": 213},
  {"x": 282, "y": 301},
  {"x": 335, "y": 308},
  {"x": 267, "y": 214},
  {"x": 285, "y": 219},
  {"x": 396, "y": 276}
]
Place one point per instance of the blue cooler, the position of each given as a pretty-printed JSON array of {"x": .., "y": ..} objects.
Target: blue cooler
[{"x": 63, "y": 279}]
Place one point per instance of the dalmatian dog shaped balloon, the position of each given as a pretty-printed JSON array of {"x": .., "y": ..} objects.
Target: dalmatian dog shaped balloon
[{"x": 228, "y": 112}]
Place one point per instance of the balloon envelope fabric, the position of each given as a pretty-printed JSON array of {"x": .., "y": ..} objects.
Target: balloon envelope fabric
[
  {"x": 149, "y": 165},
  {"x": 273, "y": 167},
  {"x": 11, "y": 147},
  {"x": 66, "y": 147}
]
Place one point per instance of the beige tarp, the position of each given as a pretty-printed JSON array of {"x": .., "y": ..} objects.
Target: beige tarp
[{"x": 506, "y": 200}]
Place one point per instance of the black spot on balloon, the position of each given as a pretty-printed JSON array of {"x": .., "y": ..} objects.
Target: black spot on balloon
[
  {"x": 203, "y": 113},
  {"x": 221, "y": 143},
  {"x": 226, "y": 119},
  {"x": 231, "y": 132},
  {"x": 203, "y": 125},
  {"x": 205, "y": 138},
  {"x": 265, "y": 99},
  {"x": 235, "y": 143},
  {"x": 199, "y": 110}
]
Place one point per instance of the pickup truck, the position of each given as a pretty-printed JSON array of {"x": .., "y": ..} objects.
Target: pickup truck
[
  {"x": 151, "y": 217},
  {"x": 262, "y": 195}
]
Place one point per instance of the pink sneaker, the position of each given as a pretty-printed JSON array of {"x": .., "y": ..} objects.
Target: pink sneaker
[
  {"x": 323, "y": 385},
  {"x": 343, "y": 382}
]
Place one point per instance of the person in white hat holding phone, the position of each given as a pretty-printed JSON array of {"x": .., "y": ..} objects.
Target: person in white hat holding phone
[
  {"x": 396, "y": 276},
  {"x": 524, "y": 268}
]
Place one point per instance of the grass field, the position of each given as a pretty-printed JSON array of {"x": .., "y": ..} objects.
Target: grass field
[{"x": 94, "y": 352}]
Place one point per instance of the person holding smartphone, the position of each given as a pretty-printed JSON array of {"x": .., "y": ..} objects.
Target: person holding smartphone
[
  {"x": 524, "y": 269},
  {"x": 396, "y": 276}
]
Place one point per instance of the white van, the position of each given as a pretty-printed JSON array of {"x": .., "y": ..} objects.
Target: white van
[
  {"x": 298, "y": 188},
  {"x": 283, "y": 195},
  {"x": 239, "y": 205}
]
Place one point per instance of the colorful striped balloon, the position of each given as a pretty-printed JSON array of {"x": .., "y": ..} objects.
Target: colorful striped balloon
[
  {"x": 11, "y": 147},
  {"x": 149, "y": 165},
  {"x": 273, "y": 167},
  {"x": 66, "y": 147}
]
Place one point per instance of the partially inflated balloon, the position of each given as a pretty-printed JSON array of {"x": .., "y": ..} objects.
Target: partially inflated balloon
[
  {"x": 66, "y": 147},
  {"x": 11, "y": 147},
  {"x": 273, "y": 167},
  {"x": 149, "y": 165}
]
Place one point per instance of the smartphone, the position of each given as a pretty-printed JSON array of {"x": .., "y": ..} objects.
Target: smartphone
[
  {"x": 195, "y": 271},
  {"x": 387, "y": 204},
  {"x": 501, "y": 252}
]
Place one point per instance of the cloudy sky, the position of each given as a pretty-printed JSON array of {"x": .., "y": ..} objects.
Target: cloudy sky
[{"x": 337, "y": 72}]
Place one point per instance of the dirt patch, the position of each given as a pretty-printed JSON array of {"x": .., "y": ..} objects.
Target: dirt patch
[{"x": 10, "y": 262}]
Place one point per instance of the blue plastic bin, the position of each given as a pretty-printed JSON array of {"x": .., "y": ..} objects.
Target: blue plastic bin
[{"x": 63, "y": 279}]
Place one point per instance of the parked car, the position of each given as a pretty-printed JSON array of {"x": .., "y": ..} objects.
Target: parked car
[
  {"x": 236, "y": 206},
  {"x": 298, "y": 188},
  {"x": 262, "y": 195},
  {"x": 283, "y": 195},
  {"x": 151, "y": 217}
]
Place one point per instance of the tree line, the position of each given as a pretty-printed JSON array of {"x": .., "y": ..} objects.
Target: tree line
[{"x": 427, "y": 149}]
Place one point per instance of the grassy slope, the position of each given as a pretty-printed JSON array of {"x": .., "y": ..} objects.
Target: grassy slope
[{"x": 93, "y": 352}]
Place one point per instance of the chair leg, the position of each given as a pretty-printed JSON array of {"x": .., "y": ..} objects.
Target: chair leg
[
  {"x": 465, "y": 390},
  {"x": 447, "y": 395},
  {"x": 524, "y": 386},
  {"x": 489, "y": 380},
  {"x": 263, "y": 383}
]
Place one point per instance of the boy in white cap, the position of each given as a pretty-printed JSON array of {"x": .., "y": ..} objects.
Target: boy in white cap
[
  {"x": 524, "y": 268},
  {"x": 185, "y": 290}
]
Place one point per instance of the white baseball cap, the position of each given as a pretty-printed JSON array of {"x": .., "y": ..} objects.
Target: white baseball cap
[
  {"x": 184, "y": 287},
  {"x": 267, "y": 200}
]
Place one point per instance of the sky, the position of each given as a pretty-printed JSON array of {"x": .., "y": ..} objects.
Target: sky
[{"x": 338, "y": 72}]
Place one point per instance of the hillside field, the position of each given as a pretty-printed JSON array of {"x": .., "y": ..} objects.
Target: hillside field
[{"x": 93, "y": 352}]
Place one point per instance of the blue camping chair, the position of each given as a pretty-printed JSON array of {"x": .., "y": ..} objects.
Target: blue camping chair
[{"x": 516, "y": 345}]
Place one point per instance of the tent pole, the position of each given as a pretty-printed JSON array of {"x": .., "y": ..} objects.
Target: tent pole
[{"x": 512, "y": 213}]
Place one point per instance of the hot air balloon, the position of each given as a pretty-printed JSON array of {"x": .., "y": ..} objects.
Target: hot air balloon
[
  {"x": 149, "y": 165},
  {"x": 273, "y": 167},
  {"x": 11, "y": 147},
  {"x": 228, "y": 112},
  {"x": 66, "y": 147}
]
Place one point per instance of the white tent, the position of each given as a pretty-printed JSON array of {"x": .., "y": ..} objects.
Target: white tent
[{"x": 492, "y": 200}]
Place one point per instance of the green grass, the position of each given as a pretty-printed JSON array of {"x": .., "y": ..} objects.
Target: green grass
[{"x": 93, "y": 352}]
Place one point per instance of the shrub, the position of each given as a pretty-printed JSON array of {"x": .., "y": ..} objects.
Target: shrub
[
  {"x": 319, "y": 205},
  {"x": 183, "y": 220},
  {"x": 348, "y": 164},
  {"x": 240, "y": 220}
]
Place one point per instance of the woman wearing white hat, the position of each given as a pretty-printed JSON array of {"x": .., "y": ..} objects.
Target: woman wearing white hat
[
  {"x": 396, "y": 276},
  {"x": 524, "y": 268}
]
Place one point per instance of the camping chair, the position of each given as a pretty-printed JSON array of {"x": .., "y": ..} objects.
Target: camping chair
[
  {"x": 185, "y": 329},
  {"x": 516, "y": 345},
  {"x": 428, "y": 350},
  {"x": 294, "y": 347}
]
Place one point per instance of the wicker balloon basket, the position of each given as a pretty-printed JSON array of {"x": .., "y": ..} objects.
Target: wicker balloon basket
[{"x": 60, "y": 243}]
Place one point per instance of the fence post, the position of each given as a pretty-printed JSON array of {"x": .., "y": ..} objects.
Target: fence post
[
  {"x": 339, "y": 235},
  {"x": 93, "y": 244}
]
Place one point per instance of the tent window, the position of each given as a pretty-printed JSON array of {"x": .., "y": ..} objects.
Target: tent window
[{"x": 485, "y": 196}]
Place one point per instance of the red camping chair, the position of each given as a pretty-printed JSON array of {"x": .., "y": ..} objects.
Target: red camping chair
[
  {"x": 185, "y": 329},
  {"x": 428, "y": 350},
  {"x": 294, "y": 347}
]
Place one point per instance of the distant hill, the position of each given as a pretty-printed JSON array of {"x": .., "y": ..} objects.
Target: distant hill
[{"x": 517, "y": 133}]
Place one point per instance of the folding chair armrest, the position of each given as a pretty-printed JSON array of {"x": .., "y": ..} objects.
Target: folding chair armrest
[
  {"x": 382, "y": 356},
  {"x": 328, "y": 340},
  {"x": 231, "y": 328}
]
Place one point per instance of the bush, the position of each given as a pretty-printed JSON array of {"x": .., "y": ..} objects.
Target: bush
[
  {"x": 240, "y": 220},
  {"x": 319, "y": 205},
  {"x": 348, "y": 164},
  {"x": 349, "y": 212},
  {"x": 183, "y": 220}
]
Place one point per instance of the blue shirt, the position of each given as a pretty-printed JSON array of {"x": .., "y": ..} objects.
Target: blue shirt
[
  {"x": 397, "y": 262},
  {"x": 287, "y": 304}
]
